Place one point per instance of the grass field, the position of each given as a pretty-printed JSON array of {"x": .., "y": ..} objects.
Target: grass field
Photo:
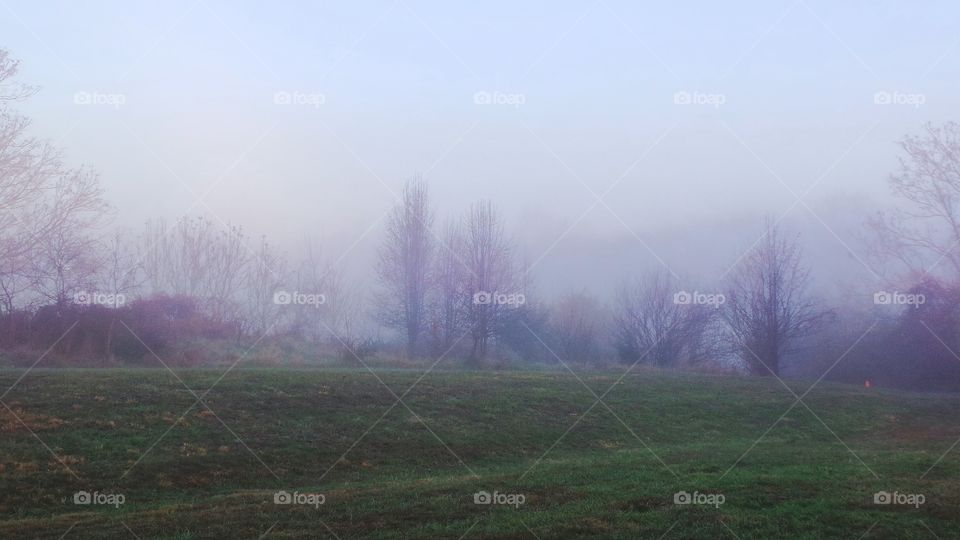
[{"x": 564, "y": 465}]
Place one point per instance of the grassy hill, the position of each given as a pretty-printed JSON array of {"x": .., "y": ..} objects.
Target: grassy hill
[{"x": 568, "y": 465}]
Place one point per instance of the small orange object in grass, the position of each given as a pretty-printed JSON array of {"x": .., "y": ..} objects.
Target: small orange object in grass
[{"x": 867, "y": 383}]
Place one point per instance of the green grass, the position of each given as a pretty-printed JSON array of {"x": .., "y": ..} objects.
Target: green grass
[{"x": 603, "y": 478}]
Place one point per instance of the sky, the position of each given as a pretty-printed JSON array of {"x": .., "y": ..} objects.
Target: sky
[{"x": 614, "y": 136}]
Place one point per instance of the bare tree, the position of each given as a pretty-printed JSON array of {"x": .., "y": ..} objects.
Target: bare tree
[
  {"x": 120, "y": 275},
  {"x": 64, "y": 262},
  {"x": 327, "y": 309},
  {"x": 767, "y": 307},
  {"x": 447, "y": 295},
  {"x": 198, "y": 259},
  {"x": 265, "y": 276},
  {"x": 490, "y": 275},
  {"x": 654, "y": 326},
  {"x": 404, "y": 264},
  {"x": 577, "y": 321},
  {"x": 229, "y": 258},
  {"x": 344, "y": 304},
  {"x": 42, "y": 202},
  {"x": 13, "y": 284},
  {"x": 925, "y": 234}
]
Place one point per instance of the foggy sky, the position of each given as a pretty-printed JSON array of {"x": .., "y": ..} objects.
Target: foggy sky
[{"x": 588, "y": 92}]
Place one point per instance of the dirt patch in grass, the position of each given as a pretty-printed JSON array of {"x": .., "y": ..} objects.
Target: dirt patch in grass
[{"x": 17, "y": 419}]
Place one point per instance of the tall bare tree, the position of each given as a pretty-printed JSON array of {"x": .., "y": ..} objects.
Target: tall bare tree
[
  {"x": 767, "y": 307},
  {"x": 120, "y": 274},
  {"x": 448, "y": 298},
  {"x": 490, "y": 274},
  {"x": 328, "y": 317},
  {"x": 42, "y": 202},
  {"x": 404, "y": 264},
  {"x": 925, "y": 235},
  {"x": 265, "y": 276}
]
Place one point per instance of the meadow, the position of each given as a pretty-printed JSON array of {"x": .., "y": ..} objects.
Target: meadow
[{"x": 403, "y": 453}]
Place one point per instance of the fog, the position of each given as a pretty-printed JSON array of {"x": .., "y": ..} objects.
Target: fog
[
  {"x": 417, "y": 269},
  {"x": 583, "y": 106}
]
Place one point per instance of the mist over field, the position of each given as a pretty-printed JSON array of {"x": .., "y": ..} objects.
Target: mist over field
[{"x": 414, "y": 269}]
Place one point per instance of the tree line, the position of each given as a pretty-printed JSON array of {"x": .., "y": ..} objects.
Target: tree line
[
  {"x": 456, "y": 287},
  {"x": 466, "y": 283}
]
